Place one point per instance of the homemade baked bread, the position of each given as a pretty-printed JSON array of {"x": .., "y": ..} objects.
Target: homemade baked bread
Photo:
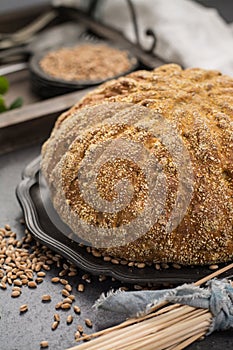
[{"x": 169, "y": 133}]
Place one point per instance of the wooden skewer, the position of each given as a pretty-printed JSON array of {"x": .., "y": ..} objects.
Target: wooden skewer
[
  {"x": 168, "y": 334},
  {"x": 161, "y": 316},
  {"x": 165, "y": 325},
  {"x": 138, "y": 340},
  {"x": 138, "y": 330},
  {"x": 187, "y": 342},
  {"x": 213, "y": 275}
]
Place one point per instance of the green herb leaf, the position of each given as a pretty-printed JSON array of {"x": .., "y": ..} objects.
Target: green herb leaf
[
  {"x": 4, "y": 85},
  {"x": 2, "y": 104},
  {"x": 18, "y": 102}
]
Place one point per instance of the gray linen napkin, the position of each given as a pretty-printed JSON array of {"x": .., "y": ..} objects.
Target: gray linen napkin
[{"x": 118, "y": 306}]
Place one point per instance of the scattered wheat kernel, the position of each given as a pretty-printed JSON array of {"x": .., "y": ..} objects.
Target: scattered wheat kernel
[
  {"x": 56, "y": 317},
  {"x": 102, "y": 278},
  {"x": 49, "y": 262},
  {"x": 15, "y": 293},
  {"x": 65, "y": 293},
  {"x": 124, "y": 288},
  {"x": 80, "y": 328},
  {"x": 46, "y": 267},
  {"x": 213, "y": 267},
  {"x": 67, "y": 300},
  {"x": 71, "y": 297},
  {"x": 41, "y": 274},
  {"x": 68, "y": 287},
  {"x": 124, "y": 262},
  {"x": 8, "y": 260},
  {"x": 44, "y": 344},
  {"x": 63, "y": 281},
  {"x": 72, "y": 273},
  {"x": 73, "y": 268},
  {"x": 107, "y": 258},
  {"x": 85, "y": 276},
  {"x": 4, "y": 279},
  {"x": 80, "y": 287},
  {"x": 141, "y": 265},
  {"x": 65, "y": 306},
  {"x": 65, "y": 266},
  {"x": 24, "y": 281},
  {"x": 32, "y": 284},
  {"x": 16, "y": 288},
  {"x": 46, "y": 297},
  {"x": 55, "y": 279},
  {"x": 137, "y": 287},
  {"x": 157, "y": 266},
  {"x": 77, "y": 335},
  {"x": 58, "y": 305},
  {"x": 88, "y": 322},
  {"x": 54, "y": 325},
  {"x": 3, "y": 285},
  {"x": 77, "y": 309},
  {"x": 176, "y": 266},
  {"x": 29, "y": 275},
  {"x": 23, "y": 308},
  {"x": 22, "y": 277},
  {"x": 115, "y": 261},
  {"x": 69, "y": 319},
  {"x": 17, "y": 283},
  {"x": 38, "y": 268},
  {"x": 39, "y": 280},
  {"x": 96, "y": 254},
  {"x": 63, "y": 273},
  {"x": 165, "y": 266},
  {"x": 7, "y": 227}
]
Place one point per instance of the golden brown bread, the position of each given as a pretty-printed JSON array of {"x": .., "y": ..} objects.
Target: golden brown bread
[{"x": 149, "y": 108}]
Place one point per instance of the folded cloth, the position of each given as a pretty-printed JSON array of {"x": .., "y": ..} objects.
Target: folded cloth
[
  {"x": 187, "y": 33},
  {"x": 217, "y": 297}
]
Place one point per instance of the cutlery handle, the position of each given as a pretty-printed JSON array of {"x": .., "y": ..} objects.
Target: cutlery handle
[
  {"x": 12, "y": 68},
  {"x": 21, "y": 51}
]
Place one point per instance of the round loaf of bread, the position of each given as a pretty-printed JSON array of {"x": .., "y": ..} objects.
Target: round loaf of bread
[{"x": 142, "y": 166}]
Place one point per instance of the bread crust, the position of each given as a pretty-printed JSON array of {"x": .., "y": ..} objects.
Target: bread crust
[{"x": 199, "y": 105}]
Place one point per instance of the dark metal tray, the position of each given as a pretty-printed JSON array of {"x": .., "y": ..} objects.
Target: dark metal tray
[
  {"x": 33, "y": 196},
  {"x": 26, "y": 332}
]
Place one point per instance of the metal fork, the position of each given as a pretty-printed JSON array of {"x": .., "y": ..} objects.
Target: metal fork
[{"x": 24, "y": 35}]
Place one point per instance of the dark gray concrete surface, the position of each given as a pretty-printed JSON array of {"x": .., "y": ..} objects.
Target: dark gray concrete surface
[{"x": 25, "y": 332}]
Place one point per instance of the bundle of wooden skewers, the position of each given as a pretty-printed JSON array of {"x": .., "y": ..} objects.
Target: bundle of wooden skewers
[{"x": 167, "y": 326}]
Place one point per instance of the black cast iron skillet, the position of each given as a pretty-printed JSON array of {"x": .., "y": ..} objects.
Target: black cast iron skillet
[{"x": 47, "y": 86}]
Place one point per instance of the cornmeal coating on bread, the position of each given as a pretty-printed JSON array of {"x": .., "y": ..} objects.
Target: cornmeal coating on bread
[{"x": 198, "y": 104}]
